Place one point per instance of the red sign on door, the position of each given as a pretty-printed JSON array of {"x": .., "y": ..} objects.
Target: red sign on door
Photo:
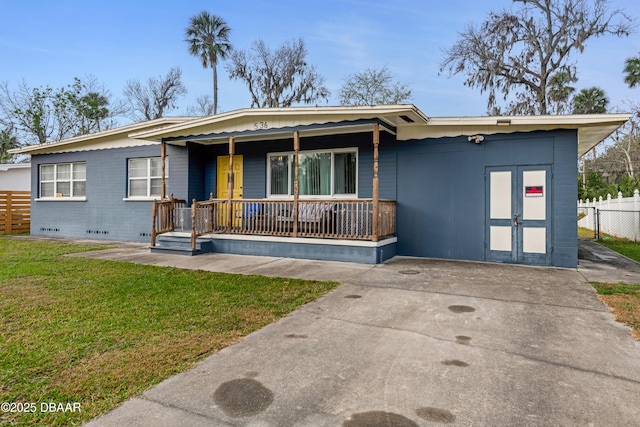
[{"x": 533, "y": 191}]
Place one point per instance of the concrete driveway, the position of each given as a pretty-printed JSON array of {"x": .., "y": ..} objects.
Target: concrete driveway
[{"x": 413, "y": 342}]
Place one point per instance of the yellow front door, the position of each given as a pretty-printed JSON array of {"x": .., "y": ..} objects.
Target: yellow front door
[
  {"x": 223, "y": 177},
  {"x": 222, "y": 190}
]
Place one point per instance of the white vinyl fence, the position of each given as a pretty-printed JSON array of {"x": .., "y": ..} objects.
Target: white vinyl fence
[{"x": 618, "y": 217}]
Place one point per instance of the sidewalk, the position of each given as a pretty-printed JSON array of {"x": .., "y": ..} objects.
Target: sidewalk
[
  {"x": 332, "y": 271},
  {"x": 597, "y": 263}
]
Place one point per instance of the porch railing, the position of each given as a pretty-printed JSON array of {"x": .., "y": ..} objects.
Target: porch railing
[
  {"x": 332, "y": 219},
  {"x": 163, "y": 214}
]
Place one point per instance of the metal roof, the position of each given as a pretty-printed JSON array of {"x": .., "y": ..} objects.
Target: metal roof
[
  {"x": 89, "y": 139},
  {"x": 286, "y": 132},
  {"x": 407, "y": 122}
]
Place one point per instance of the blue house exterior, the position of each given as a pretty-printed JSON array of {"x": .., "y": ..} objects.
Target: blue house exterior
[{"x": 483, "y": 189}]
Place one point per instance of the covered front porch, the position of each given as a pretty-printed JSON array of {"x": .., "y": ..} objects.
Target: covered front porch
[
  {"x": 326, "y": 224},
  {"x": 325, "y": 229},
  {"x": 326, "y": 219}
]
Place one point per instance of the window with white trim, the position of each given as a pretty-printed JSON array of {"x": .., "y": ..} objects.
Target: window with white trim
[
  {"x": 145, "y": 176},
  {"x": 63, "y": 180},
  {"x": 320, "y": 173}
]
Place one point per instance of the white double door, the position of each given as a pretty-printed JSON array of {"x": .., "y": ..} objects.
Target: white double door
[{"x": 518, "y": 216}]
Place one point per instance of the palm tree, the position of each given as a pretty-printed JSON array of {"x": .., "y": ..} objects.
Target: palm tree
[
  {"x": 590, "y": 101},
  {"x": 632, "y": 71},
  {"x": 208, "y": 39},
  {"x": 559, "y": 91}
]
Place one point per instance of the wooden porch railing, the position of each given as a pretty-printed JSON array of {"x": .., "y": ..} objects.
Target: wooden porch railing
[
  {"x": 386, "y": 218},
  {"x": 164, "y": 215},
  {"x": 330, "y": 218}
]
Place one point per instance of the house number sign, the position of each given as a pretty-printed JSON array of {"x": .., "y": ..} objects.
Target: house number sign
[{"x": 260, "y": 125}]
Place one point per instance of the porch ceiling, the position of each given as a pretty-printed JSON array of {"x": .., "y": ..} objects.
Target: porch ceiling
[{"x": 321, "y": 129}]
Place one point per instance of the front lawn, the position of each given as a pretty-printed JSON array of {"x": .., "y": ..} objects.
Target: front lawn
[{"x": 90, "y": 333}]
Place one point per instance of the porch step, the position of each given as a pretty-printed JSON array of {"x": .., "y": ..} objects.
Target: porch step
[{"x": 181, "y": 245}]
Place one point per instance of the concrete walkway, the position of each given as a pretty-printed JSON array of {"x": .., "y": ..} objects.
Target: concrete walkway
[
  {"x": 597, "y": 263},
  {"x": 413, "y": 342}
]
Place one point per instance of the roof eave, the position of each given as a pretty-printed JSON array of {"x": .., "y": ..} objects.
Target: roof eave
[
  {"x": 124, "y": 130},
  {"x": 592, "y": 128},
  {"x": 349, "y": 111}
]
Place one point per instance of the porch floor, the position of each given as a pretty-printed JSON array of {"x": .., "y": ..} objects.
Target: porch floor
[{"x": 361, "y": 251}]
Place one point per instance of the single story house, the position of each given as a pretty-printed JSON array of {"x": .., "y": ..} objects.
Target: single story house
[{"x": 343, "y": 183}]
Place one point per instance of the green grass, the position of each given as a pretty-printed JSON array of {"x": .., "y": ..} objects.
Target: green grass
[
  {"x": 585, "y": 233},
  {"x": 617, "y": 288},
  {"x": 625, "y": 247},
  {"x": 622, "y": 246},
  {"x": 98, "y": 332}
]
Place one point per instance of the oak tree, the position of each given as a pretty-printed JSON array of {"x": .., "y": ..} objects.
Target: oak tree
[
  {"x": 158, "y": 96},
  {"x": 514, "y": 53},
  {"x": 373, "y": 86},
  {"x": 280, "y": 77}
]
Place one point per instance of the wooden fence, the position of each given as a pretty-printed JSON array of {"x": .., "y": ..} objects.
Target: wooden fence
[{"x": 15, "y": 212}]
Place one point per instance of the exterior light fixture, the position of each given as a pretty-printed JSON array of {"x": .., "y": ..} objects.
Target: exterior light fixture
[
  {"x": 504, "y": 122},
  {"x": 476, "y": 138}
]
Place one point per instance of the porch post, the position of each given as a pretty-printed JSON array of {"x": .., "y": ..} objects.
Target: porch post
[
  {"x": 194, "y": 235},
  {"x": 154, "y": 215},
  {"x": 163, "y": 154},
  {"x": 172, "y": 213},
  {"x": 296, "y": 186},
  {"x": 376, "y": 142},
  {"x": 230, "y": 181}
]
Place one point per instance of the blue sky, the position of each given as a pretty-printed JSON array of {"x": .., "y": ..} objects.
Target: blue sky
[{"x": 50, "y": 43}]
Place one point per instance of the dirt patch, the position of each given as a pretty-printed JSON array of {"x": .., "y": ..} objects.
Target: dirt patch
[{"x": 626, "y": 309}]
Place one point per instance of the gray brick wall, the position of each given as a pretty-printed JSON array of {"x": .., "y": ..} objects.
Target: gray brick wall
[
  {"x": 441, "y": 192},
  {"x": 104, "y": 214},
  {"x": 438, "y": 184},
  {"x": 565, "y": 173}
]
